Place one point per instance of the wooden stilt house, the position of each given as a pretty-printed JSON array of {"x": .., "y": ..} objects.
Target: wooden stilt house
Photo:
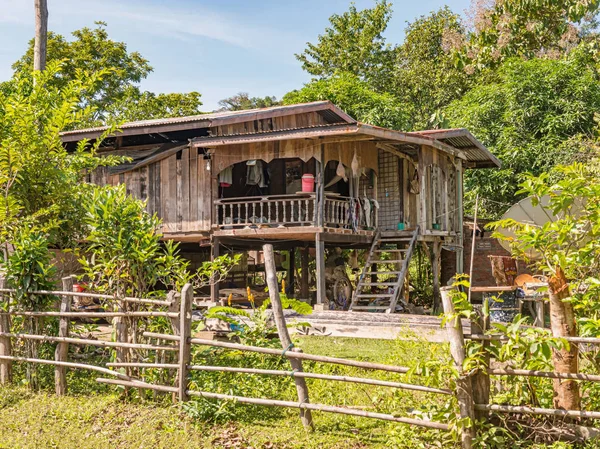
[{"x": 300, "y": 176}]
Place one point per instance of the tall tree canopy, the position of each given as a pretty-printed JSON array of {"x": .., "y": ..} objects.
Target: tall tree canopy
[
  {"x": 532, "y": 114},
  {"x": 92, "y": 50},
  {"x": 356, "y": 97},
  {"x": 243, "y": 100},
  {"x": 425, "y": 76},
  {"x": 353, "y": 43}
]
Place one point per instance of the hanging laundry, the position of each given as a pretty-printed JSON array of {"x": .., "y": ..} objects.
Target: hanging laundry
[
  {"x": 226, "y": 177},
  {"x": 367, "y": 208},
  {"x": 254, "y": 173}
]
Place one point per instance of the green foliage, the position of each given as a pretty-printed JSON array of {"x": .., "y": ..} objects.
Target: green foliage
[
  {"x": 355, "y": 97},
  {"x": 504, "y": 29},
  {"x": 137, "y": 105},
  {"x": 123, "y": 243},
  {"x": 353, "y": 43},
  {"x": 571, "y": 240},
  {"x": 243, "y": 100},
  {"x": 532, "y": 115},
  {"x": 28, "y": 268},
  {"x": 41, "y": 183},
  {"x": 425, "y": 77},
  {"x": 117, "y": 95}
]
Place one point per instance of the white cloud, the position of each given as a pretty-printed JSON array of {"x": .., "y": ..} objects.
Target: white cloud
[{"x": 166, "y": 19}]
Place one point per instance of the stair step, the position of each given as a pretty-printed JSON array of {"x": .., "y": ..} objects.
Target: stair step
[
  {"x": 377, "y": 295},
  {"x": 372, "y": 273},
  {"x": 369, "y": 308},
  {"x": 365, "y": 284},
  {"x": 395, "y": 239},
  {"x": 371, "y": 262}
]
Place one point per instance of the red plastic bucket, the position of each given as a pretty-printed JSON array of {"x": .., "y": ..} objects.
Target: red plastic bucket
[{"x": 308, "y": 183}]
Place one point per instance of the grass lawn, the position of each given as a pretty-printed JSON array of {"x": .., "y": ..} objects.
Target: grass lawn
[{"x": 105, "y": 419}]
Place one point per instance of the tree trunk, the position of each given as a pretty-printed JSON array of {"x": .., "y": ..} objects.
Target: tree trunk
[
  {"x": 41, "y": 35},
  {"x": 562, "y": 322}
]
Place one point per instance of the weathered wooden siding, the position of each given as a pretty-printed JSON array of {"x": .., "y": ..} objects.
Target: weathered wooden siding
[
  {"x": 366, "y": 152},
  {"x": 270, "y": 124},
  {"x": 438, "y": 200},
  {"x": 177, "y": 189}
]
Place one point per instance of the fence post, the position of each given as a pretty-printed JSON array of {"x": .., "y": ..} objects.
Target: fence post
[
  {"x": 185, "y": 331},
  {"x": 62, "y": 349},
  {"x": 284, "y": 336},
  {"x": 481, "y": 379},
  {"x": 464, "y": 391},
  {"x": 5, "y": 344}
]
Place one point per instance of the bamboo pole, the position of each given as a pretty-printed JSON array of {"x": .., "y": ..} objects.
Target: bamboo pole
[
  {"x": 66, "y": 364},
  {"x": 473, "y": 246},
  {"x": 322, "y": 408},
  {"x": 187, "y": 297},
  {"x": 284, "y": 336},
  {"x": 82, "y": 341},
  {"x": 464, "y": 391},
  {"x": 303, "y": 356},
  {"x": 538, "y": 411},
  {"x": 547, "y": 374},
  {"x": 90, "y": 295},
  {"x": 359, "y": 380},
  {"x": 5, "y": 343},
  {"x": 144, "y": 365},
  {"x": 480, "y": 381},
  {"x": 95, "y": 314},
  {"x": 62, "y": 349},
  {"x": 137, "y": 384},
  {"x": 582, "y": 340}
]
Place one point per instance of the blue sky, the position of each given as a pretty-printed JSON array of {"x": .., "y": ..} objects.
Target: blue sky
[{"x": 217, "y": 47}]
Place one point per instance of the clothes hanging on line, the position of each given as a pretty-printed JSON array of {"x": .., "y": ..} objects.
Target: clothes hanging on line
[
  {"x": 254, "y": 174},
  {"x": 226, "y": 177}
]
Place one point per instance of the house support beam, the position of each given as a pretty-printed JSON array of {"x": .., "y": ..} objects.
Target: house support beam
[
  {"x": 436, "y": 257},
  {"x": 214, "y": 285},
  {"x": 291, "y": 274},
  {"x": 304, "y": 274},
  {"x": 320, "y": 271}
]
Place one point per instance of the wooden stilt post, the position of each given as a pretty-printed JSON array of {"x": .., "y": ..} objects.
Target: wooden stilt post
[
  {"x": 5, "y": 344},
  {"x": 464, "y": 390},
  {"x": 284, "y": 336},
  {"x": 185, "y": 332},
  {"x": 320, "y": 271},
  {"x": 436, "y": 257},
  {"x": 291, "y": 275},
  {"x": 304, "y": 293},
  {"x": 62, "y": 349},
  {"x": 214, "y": 285}
]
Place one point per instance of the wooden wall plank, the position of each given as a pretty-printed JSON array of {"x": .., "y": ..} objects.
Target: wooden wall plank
[
  {"x": 193, "y": 200},
  {"x": 185, "y": 189}
]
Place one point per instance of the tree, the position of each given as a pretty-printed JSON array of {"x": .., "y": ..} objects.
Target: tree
[
  {"x": 41, "y": 35},
  {"x": 243, "y": 101},
  {"x": 568, "y": 252},
  {"x": 524, "y": 28},
  {"x": 353, "y": 43},
  {"x": 532, "y": 115},
  {"x": 136, "y": 105},
  {"x": 92, "y": 50},
  {"x": 40, "y": 183},
  {"x": 425, "y": 77},
  {"x": 356, "y": 98}
]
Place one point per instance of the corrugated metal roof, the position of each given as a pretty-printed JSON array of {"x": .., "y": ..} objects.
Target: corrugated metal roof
[{"x": 329, "y": 111}]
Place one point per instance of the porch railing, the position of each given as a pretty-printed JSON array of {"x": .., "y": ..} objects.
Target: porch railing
[{"x": 292, "y": 210}]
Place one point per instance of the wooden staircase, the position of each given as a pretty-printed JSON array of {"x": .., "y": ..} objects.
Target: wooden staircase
[{"x": 388, "y": 284}]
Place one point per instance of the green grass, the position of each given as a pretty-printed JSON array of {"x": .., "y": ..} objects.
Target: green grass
[{"x": 104, "y": 418}]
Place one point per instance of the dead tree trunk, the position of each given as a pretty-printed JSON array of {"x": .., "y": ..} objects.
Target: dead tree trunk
[
  {"x": 562, "y": 322},
  {"x": 41, "y": 35}
]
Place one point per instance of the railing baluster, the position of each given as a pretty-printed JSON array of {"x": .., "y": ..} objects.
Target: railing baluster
[
  {"x": 277, "y": 211},
  {"x": 269, "y": 212},
  {"x": 260, "y": 219},
  {"x": 284, "y": 204}
]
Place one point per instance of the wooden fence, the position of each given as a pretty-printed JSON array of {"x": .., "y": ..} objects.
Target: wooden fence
[{"x": 472, "y": 388}]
